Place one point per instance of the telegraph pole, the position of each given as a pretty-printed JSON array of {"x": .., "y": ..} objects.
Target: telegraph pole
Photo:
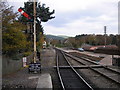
[
  {"x": 105, "y": 34},
  {"x": 34, "y": 8}
]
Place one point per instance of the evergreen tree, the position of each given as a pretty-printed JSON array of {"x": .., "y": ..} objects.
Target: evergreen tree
[{"x": 43, "y": 14}]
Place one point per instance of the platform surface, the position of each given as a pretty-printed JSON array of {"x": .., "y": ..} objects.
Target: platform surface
[{"x": 44, "y": 81}]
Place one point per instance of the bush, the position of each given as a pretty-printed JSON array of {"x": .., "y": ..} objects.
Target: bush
[{"x": 27, "y": 53}]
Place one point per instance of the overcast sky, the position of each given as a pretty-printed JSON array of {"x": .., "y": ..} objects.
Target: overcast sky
[{"x": 75, "y": 17}]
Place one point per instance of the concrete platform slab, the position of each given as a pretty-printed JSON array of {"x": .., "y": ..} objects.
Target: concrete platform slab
[
  {"x": 107, "y": 60},
  {"x": 44, "y": 81}
]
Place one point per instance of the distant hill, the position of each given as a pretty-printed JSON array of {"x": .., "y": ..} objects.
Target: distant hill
[
  {"x": 60, "y": 37},
  {"x": 63, "y": 36}
]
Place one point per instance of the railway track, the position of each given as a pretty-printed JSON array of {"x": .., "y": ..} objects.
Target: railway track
[
  {"x": 105, "y": 72},
  {"x": 69, "y": 77},
  {"x": 82, "y": 60}
]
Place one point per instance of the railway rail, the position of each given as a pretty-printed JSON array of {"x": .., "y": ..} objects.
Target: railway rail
[
  {"x": 82, "y": 60},
  {"x": 104, "y": 72},
  {"x": 70, "y": 78}
]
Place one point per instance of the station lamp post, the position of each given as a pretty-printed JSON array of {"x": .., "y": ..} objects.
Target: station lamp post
[{"x": 105, "y": 35}]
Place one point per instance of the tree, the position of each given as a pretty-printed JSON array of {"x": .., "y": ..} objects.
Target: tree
[
  {"x": 55, "y": 42},
  {"x": 118, "y": 42},
  {"x": 113, "y": 39},
  {"x": 43, "y": 15},
  {"x": 13, "y": 38}
]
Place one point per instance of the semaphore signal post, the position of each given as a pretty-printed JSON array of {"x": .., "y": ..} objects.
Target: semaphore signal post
[
  {"x": 34, "y": 8},
  {"x": 34, "y": 66}
]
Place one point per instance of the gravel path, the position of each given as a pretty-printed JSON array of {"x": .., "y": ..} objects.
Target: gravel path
[{"x": 20, "y": 79}]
